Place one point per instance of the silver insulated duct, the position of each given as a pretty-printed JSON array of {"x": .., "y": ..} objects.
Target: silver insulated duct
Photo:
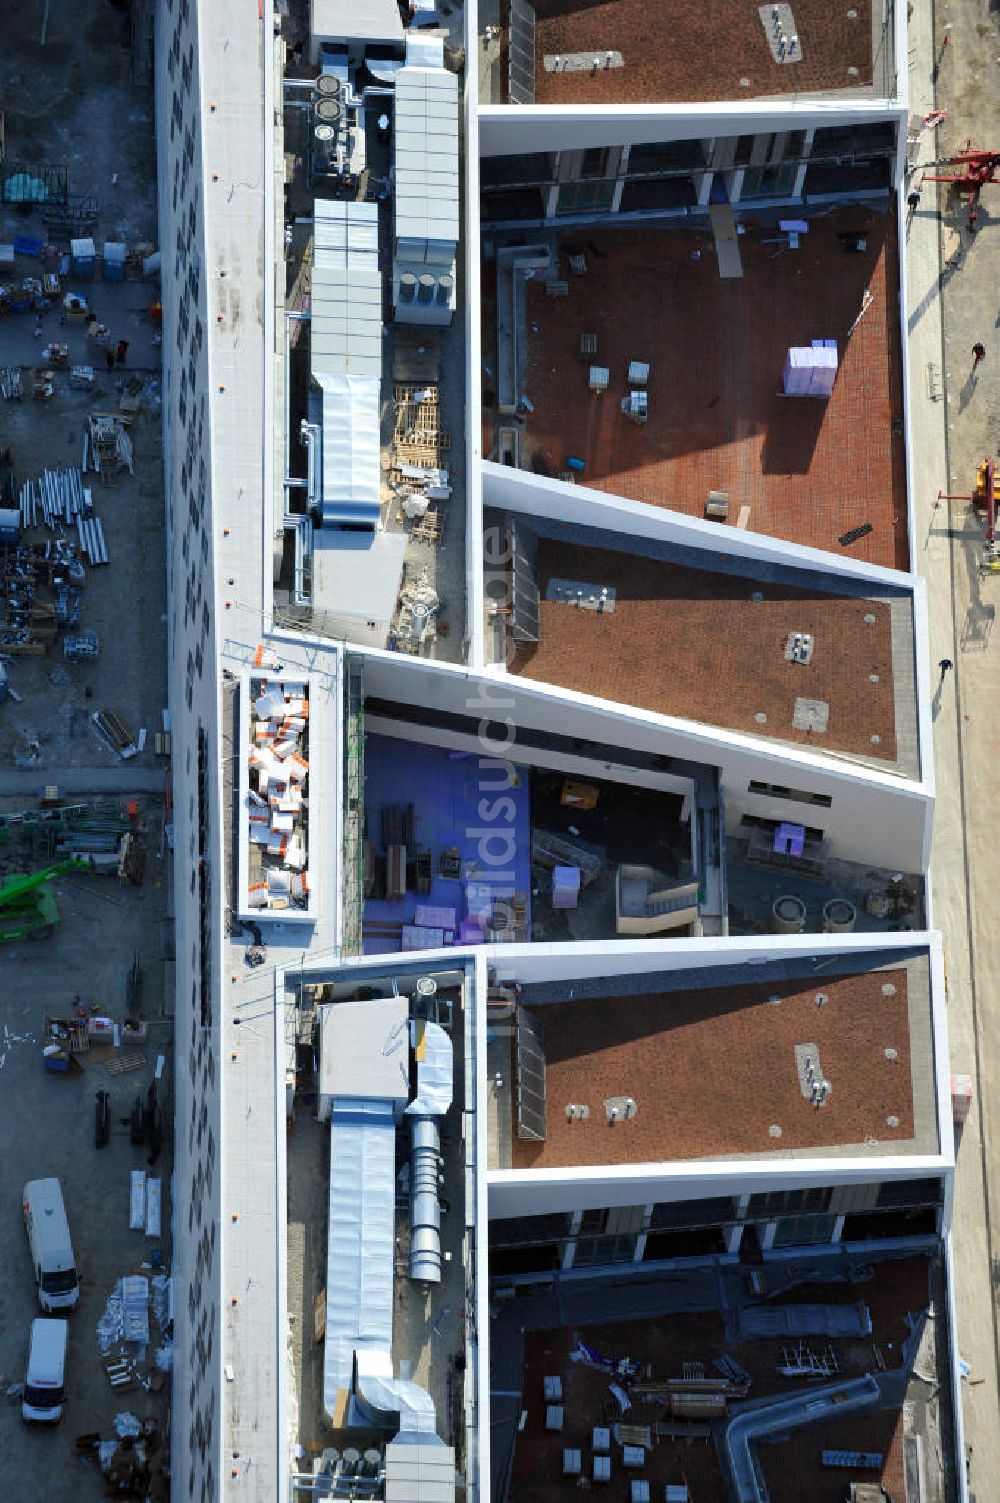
[
  {"x": 435, "y": 1069},
  {"x": 425, "y": 1208}
]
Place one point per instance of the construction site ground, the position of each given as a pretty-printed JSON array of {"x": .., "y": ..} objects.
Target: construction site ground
[
  {"x": 955, "y": 418},
  {"x": 79, "y": 97},
  {"x": 47, "y": 1128},
  {"x": 72, "y": 102}
]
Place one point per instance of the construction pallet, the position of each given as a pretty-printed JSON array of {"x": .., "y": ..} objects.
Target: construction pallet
[
  {"x": 509, "y": 920},
  {"x": 422, "y": 438},
  {"x": 409, "y": 418},
  {"x": 427, "y": 529},
  {"x": 69, "y": 1034},
  {"x": 425, "y": 455},
  {"x": 427, "y": 405},
  {"x": 408, "y": 393},
  {"x": 124, "y": 1063},
  {"x": 395, "y": 472}
]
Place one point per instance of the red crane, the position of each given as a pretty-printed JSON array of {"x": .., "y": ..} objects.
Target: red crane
[{"x": 975, "y": 168}]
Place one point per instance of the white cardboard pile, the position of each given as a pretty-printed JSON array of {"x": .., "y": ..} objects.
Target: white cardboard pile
[{"x": 277, "y": 799}]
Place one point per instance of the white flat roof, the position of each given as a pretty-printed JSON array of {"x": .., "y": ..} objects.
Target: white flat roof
[
  {"x": 356, "y": 579},
  {"x": 352, "y": 473},
  {"x": 426, "y": 154},
  {"x": 346, "y": 323},
  {"x": 364, "y": 1049},
  {"x": 356, "y": 21}
]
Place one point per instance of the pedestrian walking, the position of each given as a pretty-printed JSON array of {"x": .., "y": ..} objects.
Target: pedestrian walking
[
  {"x": 945, "y": 664},
  {"x": 109, "y": 359},
  {"x": 978, "y": 354},
  {"x": 122, "y": 351}
]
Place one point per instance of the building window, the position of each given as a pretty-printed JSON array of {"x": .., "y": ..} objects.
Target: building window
[
  {"x": 800, "y": 1231},
  {"x": 719, "y": 1210},
  {"x": 769, "y": 182},
  {"x": 754, "y": 821},
  {"x": 666, "y": 156},
  {"x": 910, "y": 1192},
  {"x": 204, "y": 892},
  {"x": 788, "y": 1203},
  {"x": 797, "y": 795},
  {"x": 593, "y": 196},
  {"x": 608, "y": 1236}
]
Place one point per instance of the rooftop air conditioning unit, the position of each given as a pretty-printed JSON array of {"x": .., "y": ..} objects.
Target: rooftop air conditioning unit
[{"x": 324, "y": 143}]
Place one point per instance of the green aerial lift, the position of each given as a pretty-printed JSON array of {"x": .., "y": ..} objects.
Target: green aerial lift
[{"x": 28, "y": 908}]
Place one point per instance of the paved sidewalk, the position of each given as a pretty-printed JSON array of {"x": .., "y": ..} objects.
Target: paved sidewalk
[
  {"x": 24, "y": 783},
  {"x": 952, "y": 305}
]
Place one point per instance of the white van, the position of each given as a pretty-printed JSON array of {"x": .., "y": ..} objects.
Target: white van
[
  {"x": 51, "y": 1249},
  {"x": 45, "y": 1378}
]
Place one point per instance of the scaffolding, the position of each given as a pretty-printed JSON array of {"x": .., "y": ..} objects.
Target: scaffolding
[
  {"x": 34, "y": 183},
  {"x": 354, "y": 806}
]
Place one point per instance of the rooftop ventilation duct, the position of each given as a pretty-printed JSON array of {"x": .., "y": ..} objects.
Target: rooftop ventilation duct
[
  {"x": 364, "y": 1047},
  {"x": 435, "y": 1073}
]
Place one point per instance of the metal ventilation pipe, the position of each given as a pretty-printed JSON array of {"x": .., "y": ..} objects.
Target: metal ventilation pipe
[
  {"x": 425, "y": 1208},
  {"x": 311, "y": 438}
]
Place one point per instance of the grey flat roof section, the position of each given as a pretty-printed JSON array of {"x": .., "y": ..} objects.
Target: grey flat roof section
[
  {"x": 365, "y": 1049},
  {"x": 356, "y": 21},
  {"x": 426, "y": 155},
  {"x": 346, "y": 327},
  {"x": 360, "y": 1249},
  {"x": 356, "y": 578},
  {"x": 351, "y": 449},
  {"x": 416, "y": 1468}
]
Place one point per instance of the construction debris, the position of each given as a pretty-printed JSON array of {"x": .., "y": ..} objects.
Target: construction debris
[
  {"x": 81, "y": 647},
  {"x": 133, "y": 394},
  {"x": 107, "y": 446},
  {"x": 11, "y": 388},
  {"x": 416, "y": 615},
  {"x": 43, "y": 385},
  {"x": 56, "y": 497},
  {"x": 90, "y": 531},
  {"x": 113, "y": 733},
  {"x": 277, "y": 796}
]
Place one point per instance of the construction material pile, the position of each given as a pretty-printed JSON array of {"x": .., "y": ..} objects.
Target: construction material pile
[
  {"x": 59, "y": 497},
  {"x": 277, "y": 800},
  {"x": 107, "y": 448},
  {"x": 40, "y": 591}
]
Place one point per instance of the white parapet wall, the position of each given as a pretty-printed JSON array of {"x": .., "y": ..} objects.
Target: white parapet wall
[
  {"x": 510, "y": 130},
  {"x": 873, "y": 817}
]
